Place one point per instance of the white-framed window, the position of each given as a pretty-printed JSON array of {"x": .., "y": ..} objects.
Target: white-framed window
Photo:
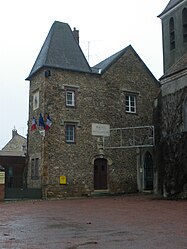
[
  {"x": 70, "y": 133},
  {"x": 35, "y": 100},
  {"x": 130, "y": 103},
  {"x": 70, "y": 98}
]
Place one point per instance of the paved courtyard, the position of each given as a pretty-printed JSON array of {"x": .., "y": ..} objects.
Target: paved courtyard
[{"x": 124, "y": 222}]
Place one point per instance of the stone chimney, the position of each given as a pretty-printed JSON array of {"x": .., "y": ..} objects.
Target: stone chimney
[
  {"x": 14, "y": 132},
  {"x": 76, "y": 34}
]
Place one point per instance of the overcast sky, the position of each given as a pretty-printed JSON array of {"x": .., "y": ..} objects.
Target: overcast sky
[{"x": 105, "y": 26}]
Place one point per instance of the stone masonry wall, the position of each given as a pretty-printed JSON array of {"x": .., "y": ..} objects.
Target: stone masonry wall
[
  {"x": 173, "y": 144},
  {"x": 100, "y": 99}
]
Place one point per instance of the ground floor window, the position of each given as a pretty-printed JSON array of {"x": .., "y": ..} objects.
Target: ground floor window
[{"x": 35, "y": 168}]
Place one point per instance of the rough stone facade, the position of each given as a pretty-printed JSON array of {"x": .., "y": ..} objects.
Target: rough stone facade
[
  {"x": 99, "y": 99},
  {"x": 172, "y": 145},
  {"x": 172, "y": 103}
]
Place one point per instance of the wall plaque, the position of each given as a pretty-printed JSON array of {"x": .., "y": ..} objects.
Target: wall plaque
[
  {"x": 102, "y": 130},
  {"x": 2, "y": 177}
]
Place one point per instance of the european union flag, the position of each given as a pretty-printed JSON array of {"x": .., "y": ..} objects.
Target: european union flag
[{"x": 41, "y": 121}]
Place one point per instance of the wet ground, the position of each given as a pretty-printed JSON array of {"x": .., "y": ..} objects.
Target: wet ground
[{"x": 132, "y": 222}]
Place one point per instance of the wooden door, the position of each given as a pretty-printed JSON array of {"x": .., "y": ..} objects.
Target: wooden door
[
  {"x": 100, "y": 174},
  {"x": 148, "y": 172}
]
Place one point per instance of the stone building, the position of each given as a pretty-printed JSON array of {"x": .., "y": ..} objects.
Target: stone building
[
  {"x": 75, "y": 156},
  {"x": 13, "y": 160},
  {"x": 172, "y": 145}
]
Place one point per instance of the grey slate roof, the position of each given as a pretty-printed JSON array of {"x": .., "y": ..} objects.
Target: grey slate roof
[
  {"x": 105, "y": 64},
  {"x": 171, "y": 4},
  {"x": 60, "y": 50},
  {"x": 178, "y": 67}
]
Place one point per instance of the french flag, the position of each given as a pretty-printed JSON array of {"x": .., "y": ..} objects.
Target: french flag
[
  {"x": 33, "y": 125},
  {"x": 48, "y": 123}
]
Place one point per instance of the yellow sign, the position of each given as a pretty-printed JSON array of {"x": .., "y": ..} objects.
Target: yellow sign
[
  {"x": 2, "y": 177},
  {"x": 63, "y": 180}
]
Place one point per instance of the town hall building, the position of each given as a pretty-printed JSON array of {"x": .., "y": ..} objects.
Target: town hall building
[{"x": 92, "y": 127}]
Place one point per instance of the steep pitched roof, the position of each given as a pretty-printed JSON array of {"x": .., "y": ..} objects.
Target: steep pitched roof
[
  {"x": 105, "y": 64},
  {"x": 178, "y": 67},
  {"x": 171, "y": 4},
  {"x": 61, "y": 50}
]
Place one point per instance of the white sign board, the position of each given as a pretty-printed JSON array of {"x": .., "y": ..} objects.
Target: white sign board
[{"x": 101, "y": 130}]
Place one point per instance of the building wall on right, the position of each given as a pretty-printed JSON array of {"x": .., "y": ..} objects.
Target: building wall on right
[
  {"x": 171, "y": 110},
  {"x": 172, "y": 142}
]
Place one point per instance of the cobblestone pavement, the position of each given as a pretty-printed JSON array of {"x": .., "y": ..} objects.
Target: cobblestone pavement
[{"x": 133, "y": 222}]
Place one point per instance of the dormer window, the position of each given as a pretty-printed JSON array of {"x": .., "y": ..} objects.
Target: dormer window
[
  {"x": 172, "y": 33},
  {"x": 184, "y": 24}
]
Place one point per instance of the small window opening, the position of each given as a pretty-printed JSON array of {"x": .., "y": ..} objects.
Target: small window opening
[
  {"x": 172, "y": 33},
  {"x": 184, "y": 24}
]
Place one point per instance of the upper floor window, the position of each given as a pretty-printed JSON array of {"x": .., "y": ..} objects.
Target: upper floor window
[
  {"x": 184, "y": 24},
  {"x": 172, "y": 33},
  {"x": 70, "y": 97},
  {"x": 130, "y": 103},
  {"x": 70, "y": 133},
  {"x": 35, "y": 100}
]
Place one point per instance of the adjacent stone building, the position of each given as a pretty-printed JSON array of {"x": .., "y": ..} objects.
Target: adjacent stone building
[
  {"x": 85, "y": 103},
  {"x": 13, "y": 160},
  {"x": 172, "y": 142}
]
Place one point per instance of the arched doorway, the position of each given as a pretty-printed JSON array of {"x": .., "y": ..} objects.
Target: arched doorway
[
  {"x": 148, "y": 171},
  {"x": 100, "y": 174}
]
